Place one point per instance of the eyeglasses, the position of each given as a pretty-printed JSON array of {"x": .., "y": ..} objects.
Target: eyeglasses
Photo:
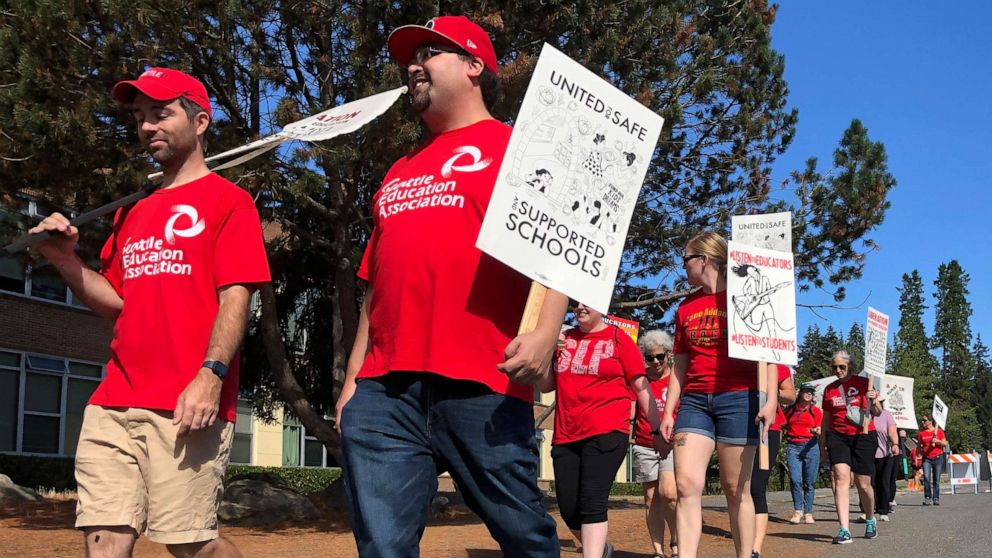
[
  {"x": 660, "y": 357},
  {"x": 687, "y": 259},
  {"x": 838, "y": 366},
  {"x": 425, "y": 53}
]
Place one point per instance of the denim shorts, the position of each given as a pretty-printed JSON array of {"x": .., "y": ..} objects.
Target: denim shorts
[{"x": 727, "y": 418}]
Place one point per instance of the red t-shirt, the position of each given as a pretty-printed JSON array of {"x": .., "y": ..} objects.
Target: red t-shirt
[
  {"x": 166, "y": 258},
  {"x": 835, "y": 405},
  {"x": 701, "y": 334},
  {"x": 930, "y": 450},
  {"x": 439, "y": 304},
  {"x": 800, "y": 422},
  {"x": 659, "y": 389},
  {"x": 593, "y": 375},
  {"x": 783, "y": 374}
]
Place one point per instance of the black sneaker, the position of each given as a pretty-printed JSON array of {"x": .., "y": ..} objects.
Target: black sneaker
[
  {"x": 608, "y": 550},
  {"x": 843, "y": 537}
]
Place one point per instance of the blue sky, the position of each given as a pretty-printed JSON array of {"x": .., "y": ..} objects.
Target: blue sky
[{"x": 919, "y": 76}]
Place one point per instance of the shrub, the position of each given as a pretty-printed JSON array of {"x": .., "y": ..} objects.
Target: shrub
[
  {"x": 56, "y": 473},
  {"x": 35, "y": 472},
  {"x": 304, "y": 480}
]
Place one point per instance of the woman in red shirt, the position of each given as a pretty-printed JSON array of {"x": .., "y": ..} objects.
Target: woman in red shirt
[
  {"x": 596, "y": 371},
  {"x": 718, "y": 402},
  {"x": 931, "y": 448},
  {"x": 802, "y": 451},
  {"x": 848, "y": 445},
  {"x": 655, "y": 471}
]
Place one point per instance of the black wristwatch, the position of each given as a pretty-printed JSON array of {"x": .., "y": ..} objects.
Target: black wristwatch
[
  {"x": 655, "y": 432},
  {"x": 217, "y": 367}
]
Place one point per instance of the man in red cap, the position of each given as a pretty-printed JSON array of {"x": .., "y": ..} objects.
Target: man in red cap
[
  {"x": 438, "y": 380},
  {"x": 176, "y": 277}
]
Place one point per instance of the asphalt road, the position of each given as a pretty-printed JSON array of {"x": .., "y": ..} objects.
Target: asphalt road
[{"x": 961, "y": 526}]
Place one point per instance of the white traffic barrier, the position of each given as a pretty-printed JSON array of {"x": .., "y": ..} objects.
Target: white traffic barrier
[{"x": 963, "y": 469}]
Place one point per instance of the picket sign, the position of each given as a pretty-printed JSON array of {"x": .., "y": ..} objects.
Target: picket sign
[{"x": 963, "y": 470}]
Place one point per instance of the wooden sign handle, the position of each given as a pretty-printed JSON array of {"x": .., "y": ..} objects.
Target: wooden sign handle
[
  {"x": 532, "y": 311},
  {"x": 762, "y": 428}
]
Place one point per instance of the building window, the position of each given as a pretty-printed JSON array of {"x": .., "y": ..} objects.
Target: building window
[
  {"x": 241, "y": 445},
  {"x": 300, "y": 449},
  {"x": 39, "y": 281},
  {"x": 42, "y": 399},
  {"x": 12, "y": 274}
]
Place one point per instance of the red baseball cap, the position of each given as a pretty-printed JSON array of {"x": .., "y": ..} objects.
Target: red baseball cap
[
  {"x": 163, "y": 84},
  {"x": 455, "y": 31}
]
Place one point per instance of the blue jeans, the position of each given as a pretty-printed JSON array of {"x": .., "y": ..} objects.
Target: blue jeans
[
  {"x": 932, "y": 469},
  {"x": 804, "y": 467},
  {"x": 403, "y": 429}
]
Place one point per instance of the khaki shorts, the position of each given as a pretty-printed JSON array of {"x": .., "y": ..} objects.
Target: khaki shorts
[
  {"x": 131, "y": 471},
  {"x": 648, "y": 464}
]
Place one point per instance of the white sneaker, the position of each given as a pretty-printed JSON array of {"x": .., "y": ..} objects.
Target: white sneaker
[
  {"x": 883, "y": 517},
  {"x": 862, "y": 518}
]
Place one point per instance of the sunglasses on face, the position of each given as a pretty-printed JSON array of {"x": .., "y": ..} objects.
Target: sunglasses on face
[
  {"x": 689, "y": 258},
  {"x": 660, "y": 357},
  {"x": 425, "y": 53},
  {"x": 839, "y": 366}
]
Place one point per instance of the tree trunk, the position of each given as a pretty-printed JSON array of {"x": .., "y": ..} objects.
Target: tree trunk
[{"x": 290, "y": 389}]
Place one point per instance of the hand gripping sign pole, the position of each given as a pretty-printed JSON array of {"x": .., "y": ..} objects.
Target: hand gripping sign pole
[{"x": 342, "y": 119}]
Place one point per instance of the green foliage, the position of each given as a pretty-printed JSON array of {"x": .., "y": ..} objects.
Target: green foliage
[
  {"x": 57, "y": 473},
  {"x": 855, "y": 345},
  {"x": 707, "y": 66},
  {"x": 952, "y": 332},
  {"x": 815, "y": 352},
  {"x": 911, "y": 348},
  {"x": 964, "y": 432},
  {"x": 304, "y": 480},
  {"x": 837, "y": 210},
  {"x": 983, "y": 390}
]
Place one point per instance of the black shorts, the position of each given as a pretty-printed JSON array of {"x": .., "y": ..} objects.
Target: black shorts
[{"x": 856, "y": 451}]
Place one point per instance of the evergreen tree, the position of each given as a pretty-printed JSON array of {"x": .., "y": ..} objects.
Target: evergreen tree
[
  {"x": 810, "y": 355},
  {"x": 855, "y": 345},
  {"x": 983, "y": 389},
  {"x": 952, "y": 332},
  {"x": 911, "y": 346}
]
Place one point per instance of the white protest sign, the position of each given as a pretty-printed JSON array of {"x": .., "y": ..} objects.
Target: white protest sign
[
  {"x": 761, "y": 305},
  {"x": 771, "y": 230},
  {"x": 939, "y": 412},
  {"x": 342, "y": 119},
  {"x": 569, "y": 181},
  {"x": 876, "y": 345},
  {"x": 896, "y": 393}
]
